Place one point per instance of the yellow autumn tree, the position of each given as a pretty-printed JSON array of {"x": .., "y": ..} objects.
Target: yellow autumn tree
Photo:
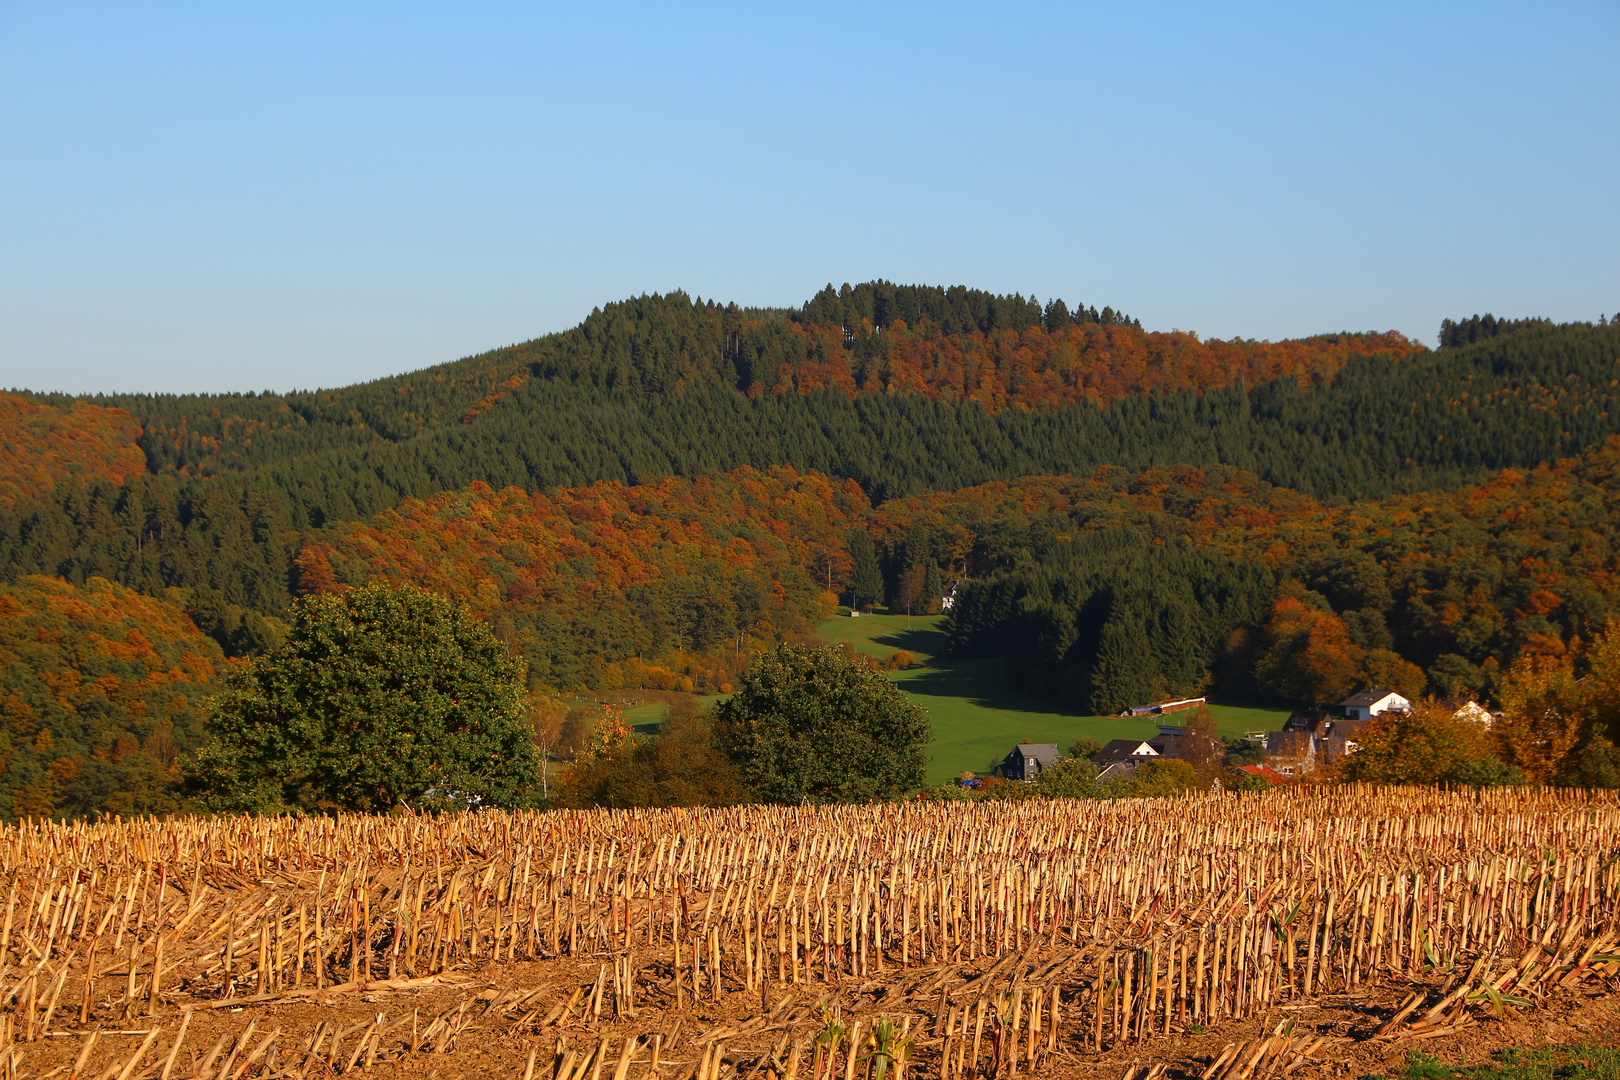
[
  {"x": 1561, "y": 714},
  {"x": 1429, "y": 745}
]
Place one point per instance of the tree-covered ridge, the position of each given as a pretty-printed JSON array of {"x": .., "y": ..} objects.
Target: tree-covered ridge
[
  {"x": 198, "y": 435},
  {"x": 951, "y": 344},
  {"x": 672, "y": 584},
  {"x": 100, "y": 692},
  {"x": 1430, "y": 421},
  {"x": 43, "y": 445}
]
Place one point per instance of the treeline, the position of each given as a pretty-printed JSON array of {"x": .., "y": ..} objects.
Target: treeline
[
  {"x": 1455, "y": 332},
  {"x": 1112, "y": 619},
  {"x": 879, "y": 305}
]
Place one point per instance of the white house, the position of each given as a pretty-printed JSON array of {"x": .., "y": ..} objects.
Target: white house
[
  {"x": 948, "y": 601},
  {"x": 1369, "y": 703}
]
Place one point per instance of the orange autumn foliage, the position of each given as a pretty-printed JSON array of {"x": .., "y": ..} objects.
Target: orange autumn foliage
[
  {"x": 1032, "y": 368},
  {"x": 101, "y": 690},
  {"x": 42, "y": 446},
  {"x": 668, "y": 584}
]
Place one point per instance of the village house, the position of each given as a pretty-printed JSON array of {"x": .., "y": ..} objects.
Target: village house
[
  {"x": 1121, "y": 757},
  {"x": 952, "y": 588},
  {"x": 1311, "y": 740},
  {"x": 1189, "y": 746},
  {"x": 1369, "y": 703},
  {"x": 1027, "y": 760}
]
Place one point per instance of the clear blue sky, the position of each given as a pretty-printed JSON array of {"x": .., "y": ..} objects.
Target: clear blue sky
[{"x": 247, "y": 196}]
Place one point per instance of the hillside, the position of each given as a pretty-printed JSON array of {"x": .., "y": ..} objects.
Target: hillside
[
  {"x": 652, "y": 388},
  {"x": 650, "y": 498},
  {"x": 100, "y": 692}
]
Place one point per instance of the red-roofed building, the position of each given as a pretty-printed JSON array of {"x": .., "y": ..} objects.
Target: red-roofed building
[{"x": 1264, "y": 773}]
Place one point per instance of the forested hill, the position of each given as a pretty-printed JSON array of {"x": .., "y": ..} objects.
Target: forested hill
[
  {"x": 950, "y": 345},
  {"x": 900, "y": 389}
]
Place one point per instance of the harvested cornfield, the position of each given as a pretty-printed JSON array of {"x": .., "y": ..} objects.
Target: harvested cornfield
[{"x": 1213, "y": 936}]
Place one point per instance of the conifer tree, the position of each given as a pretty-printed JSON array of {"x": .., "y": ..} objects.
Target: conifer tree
[{"x": 866, "y": 577}]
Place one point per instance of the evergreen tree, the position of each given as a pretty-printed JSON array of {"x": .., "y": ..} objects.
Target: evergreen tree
[
  {"x": 866, "y": 577},
  {"x": 1123, "y": 674}
]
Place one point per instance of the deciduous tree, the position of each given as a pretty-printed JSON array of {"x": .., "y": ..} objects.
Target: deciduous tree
[
  {"x": 821, "y": 726},
  {"x": 380, "y": 697}
]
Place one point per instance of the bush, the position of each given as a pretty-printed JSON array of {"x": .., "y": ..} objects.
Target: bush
[
  {"x": 680, "y": 766},
  {"x": 1429, "y": 745},
  {"x": 1166, "y": 776}
]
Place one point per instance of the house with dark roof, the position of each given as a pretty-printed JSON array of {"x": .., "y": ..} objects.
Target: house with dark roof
[
  {"x": 1028, "y": 760},
  {"x": 1369, "y": 703},
  {"x": 1188, "y": 746},
  {"x": 1121, "y": 757},
  {"x": 1311, "y": 740}
]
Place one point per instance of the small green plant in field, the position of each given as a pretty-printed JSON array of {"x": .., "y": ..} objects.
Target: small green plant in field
[
  {"x": 890, "y": 1049},
  {"x": 1578, "y": 1062},
  {"x": 828, "y": 1042}
]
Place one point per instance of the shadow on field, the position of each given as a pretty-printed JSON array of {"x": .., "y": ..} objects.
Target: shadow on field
[
  {"x": 921, "y": 640},
  {"x": 980, "y": 682}
]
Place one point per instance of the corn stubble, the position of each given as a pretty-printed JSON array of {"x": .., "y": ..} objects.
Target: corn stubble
[{"x": 981, "y": 940}]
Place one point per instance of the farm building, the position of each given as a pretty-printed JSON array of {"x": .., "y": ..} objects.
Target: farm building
[{"x": 1163, "y": 707}]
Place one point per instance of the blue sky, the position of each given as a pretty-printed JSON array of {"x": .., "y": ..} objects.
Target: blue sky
[{"x": 240, "y": 196}]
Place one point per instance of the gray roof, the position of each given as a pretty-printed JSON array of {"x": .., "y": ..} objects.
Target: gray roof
[
  {"x": 1044, "y": 752},
  {"x": 1186, "y": 742},
  {"x": 1365, "y": 697}
]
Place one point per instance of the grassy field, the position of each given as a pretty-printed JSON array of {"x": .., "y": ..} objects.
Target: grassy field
[{"x": 976, "y": 718}]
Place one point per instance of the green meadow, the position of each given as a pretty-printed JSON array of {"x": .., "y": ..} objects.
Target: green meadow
[{"x": 977, "y": 720}]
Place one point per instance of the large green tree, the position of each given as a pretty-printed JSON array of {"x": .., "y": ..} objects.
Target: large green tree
[
  {"x": 822, "y": 726},
  {"x": 380, "y": 697}
]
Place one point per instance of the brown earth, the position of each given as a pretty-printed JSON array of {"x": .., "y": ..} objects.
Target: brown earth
[{"x": 494, "y": 1034}]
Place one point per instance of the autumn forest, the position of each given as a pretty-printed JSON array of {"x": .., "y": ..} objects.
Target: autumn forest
[{"x": 655, "y": 497}]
